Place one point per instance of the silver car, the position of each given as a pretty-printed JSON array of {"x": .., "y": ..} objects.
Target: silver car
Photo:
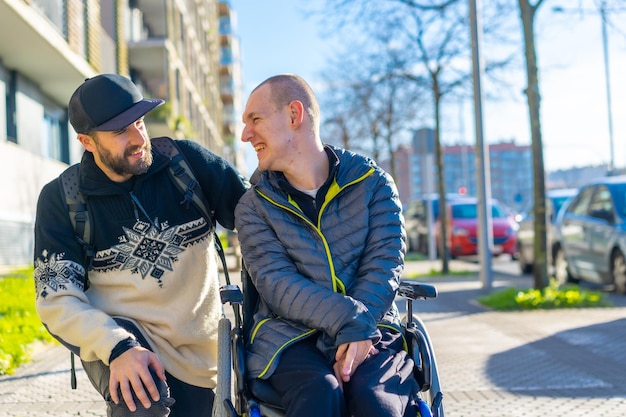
[
  {"x": 526, "y": 232},
  {"x": 591, "y": 235}
]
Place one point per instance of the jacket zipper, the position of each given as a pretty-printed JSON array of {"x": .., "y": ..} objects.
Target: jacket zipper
[{"x": 333, "y": 191}]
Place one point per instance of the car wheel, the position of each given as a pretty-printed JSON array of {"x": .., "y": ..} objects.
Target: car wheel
[
  {"x": 618, "y": 270},
  {"x": 524, "y": 266},
  {"x": 561, "y": 271}
]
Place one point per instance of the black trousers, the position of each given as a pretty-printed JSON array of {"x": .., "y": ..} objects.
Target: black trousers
[
  {"x": 382, "y": 386},
  {"x": 178, "y": 399}
]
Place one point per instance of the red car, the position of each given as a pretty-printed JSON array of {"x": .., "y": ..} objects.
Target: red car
[{"x": 463, "y": 226}]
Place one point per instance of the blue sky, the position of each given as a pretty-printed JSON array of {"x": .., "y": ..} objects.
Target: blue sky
[{"x": 276, "y": 38}]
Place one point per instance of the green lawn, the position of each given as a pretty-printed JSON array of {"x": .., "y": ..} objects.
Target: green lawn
[{"x": 19, "y": 323}]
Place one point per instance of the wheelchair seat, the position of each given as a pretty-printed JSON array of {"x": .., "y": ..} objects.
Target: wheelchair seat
[
  {"x": 265, "y": 393},
  {"x": 257, "y": 398}
]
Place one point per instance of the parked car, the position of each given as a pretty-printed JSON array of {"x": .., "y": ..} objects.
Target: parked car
[
  {"x": 416, "y": 220},
  {"x": 463, "y": 228},
  {"x": 591, "y": 235},
  {"x": 526, "y": 232}
]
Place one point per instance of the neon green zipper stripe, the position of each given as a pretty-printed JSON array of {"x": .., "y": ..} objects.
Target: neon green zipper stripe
[
  {"x": 257, "y": 328},
  {"x": 280, "y": 349},
  {"x": 319, "y": 232},
  {"x": 333, "y": 191}
]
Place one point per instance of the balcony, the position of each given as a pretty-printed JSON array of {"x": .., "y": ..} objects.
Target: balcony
[
  {"x": 33, "y": 46},
  {"x": 150, "y": 59},
  {"x": 153, "y": 12}
]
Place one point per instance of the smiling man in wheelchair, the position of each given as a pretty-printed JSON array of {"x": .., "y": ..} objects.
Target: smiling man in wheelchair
[{"x": 322, "y": 237}]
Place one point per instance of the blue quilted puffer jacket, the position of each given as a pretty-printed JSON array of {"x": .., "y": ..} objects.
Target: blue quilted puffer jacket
[{"x": 336, "y": 277}]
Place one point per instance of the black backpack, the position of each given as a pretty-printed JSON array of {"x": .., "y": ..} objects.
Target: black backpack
[{"x": 183, "y": 177}]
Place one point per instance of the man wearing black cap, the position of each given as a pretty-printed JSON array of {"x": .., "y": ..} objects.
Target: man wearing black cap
[{"x": 144, "y": 322}]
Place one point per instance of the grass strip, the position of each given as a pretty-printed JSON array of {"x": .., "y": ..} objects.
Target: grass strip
[
  {"x": 20, "y": 325},
  {"x": 550, "y": 297}
]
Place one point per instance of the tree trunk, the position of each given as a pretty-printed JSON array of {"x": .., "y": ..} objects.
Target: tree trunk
[
  {"x": 540, "y": 269},
  {"x": 441, "y": 187}
]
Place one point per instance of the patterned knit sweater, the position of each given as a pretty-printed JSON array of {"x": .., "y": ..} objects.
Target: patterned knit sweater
[{"x": 155, "y": 263}]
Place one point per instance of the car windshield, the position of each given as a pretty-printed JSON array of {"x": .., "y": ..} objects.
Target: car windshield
[
  {"x": 470, "y": 211},
  {"x": 558, "y": 203}
]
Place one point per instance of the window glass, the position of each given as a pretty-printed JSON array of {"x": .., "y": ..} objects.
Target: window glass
[
  {"x": 581, "y": 203},
  {"x": 470, "y": 211},
  {"x": 601, "y": 200},
  {"x": 498, "y": 212},
  {"x": 464, "y": 211},
  {"x": 557, "y": 203}
]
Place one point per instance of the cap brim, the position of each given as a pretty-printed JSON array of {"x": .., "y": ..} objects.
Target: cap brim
[{"x": 129, "y": 116}]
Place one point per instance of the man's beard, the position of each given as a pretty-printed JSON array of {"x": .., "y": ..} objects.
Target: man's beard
[{"x": 121, "y": 166}]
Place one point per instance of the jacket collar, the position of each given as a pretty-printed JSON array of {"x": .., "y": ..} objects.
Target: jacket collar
[{"x": 345, "y": 166}]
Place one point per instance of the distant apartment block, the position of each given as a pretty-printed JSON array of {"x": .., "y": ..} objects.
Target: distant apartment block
[
  {"x": 510, "y": 170},
  {"x": 183, "y": 52}
]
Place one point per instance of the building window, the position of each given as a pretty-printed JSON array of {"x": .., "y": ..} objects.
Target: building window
[{"x": 51, "y": 140}]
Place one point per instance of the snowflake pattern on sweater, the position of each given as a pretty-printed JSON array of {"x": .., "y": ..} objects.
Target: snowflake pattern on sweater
[{"x": 143, "y": 249}]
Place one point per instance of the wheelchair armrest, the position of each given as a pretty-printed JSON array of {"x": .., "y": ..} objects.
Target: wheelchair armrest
[
  {"x": 414, "y": 290},
  {"x": 231, "y": 294}
]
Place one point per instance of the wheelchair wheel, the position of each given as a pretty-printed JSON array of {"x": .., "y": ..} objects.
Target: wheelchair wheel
[
  {"x": 224, "y": 383},
  {"x": 433, "y": 395}
]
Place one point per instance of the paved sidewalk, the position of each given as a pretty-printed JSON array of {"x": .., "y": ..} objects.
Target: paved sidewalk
[
  {"x": 558, "y": 363},
  {"x": 492, "y": 364}
]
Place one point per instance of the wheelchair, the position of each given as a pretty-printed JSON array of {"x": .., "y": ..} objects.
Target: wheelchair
[{"x": 237, "y": 397}]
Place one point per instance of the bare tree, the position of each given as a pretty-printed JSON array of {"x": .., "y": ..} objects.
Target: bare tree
[
  {"x": 434, "y": 35},
  {"x": 370, "y": 108}
]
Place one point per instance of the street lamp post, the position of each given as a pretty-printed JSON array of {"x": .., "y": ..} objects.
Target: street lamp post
[
  {"x": 483, "y": 179},
  {"x": 607, "y": 79}
]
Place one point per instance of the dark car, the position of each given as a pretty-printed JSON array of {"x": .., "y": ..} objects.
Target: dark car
[
  {"x": 526, "y": 232},
  {"x": 463, "y": 228},
  {"x": 591, "y": 235},
  {"x": 416, "y": 220}
]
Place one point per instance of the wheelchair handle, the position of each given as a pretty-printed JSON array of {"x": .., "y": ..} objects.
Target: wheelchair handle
[
  {"x": 231, "y": 294},
  {"x": 414, "y": 290}
]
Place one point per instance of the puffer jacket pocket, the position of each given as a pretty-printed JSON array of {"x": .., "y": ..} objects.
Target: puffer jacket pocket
[{"x": 268, "y": 339}]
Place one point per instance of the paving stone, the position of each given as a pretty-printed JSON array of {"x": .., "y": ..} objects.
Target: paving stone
[{"x": 548, "y": 363}]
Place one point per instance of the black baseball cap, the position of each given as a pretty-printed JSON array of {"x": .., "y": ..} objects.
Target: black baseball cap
[{"x": 108, "y": 102}]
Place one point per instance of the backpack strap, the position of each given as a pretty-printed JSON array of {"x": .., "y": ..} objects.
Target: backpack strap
[
  {"x": 184, "y": 178},
  {"x": 79, "y": 216}
]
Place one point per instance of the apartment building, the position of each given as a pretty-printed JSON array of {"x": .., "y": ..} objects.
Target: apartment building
[
  {"x": 231, "y": 86},
  {"x": 511, "y": 173},
  {"x": 177, "y": 50}
]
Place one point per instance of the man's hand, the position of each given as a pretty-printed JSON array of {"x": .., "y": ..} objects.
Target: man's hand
[
  {"x": 349, "y": 356},
  {"x": 130, "y": 373}
]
